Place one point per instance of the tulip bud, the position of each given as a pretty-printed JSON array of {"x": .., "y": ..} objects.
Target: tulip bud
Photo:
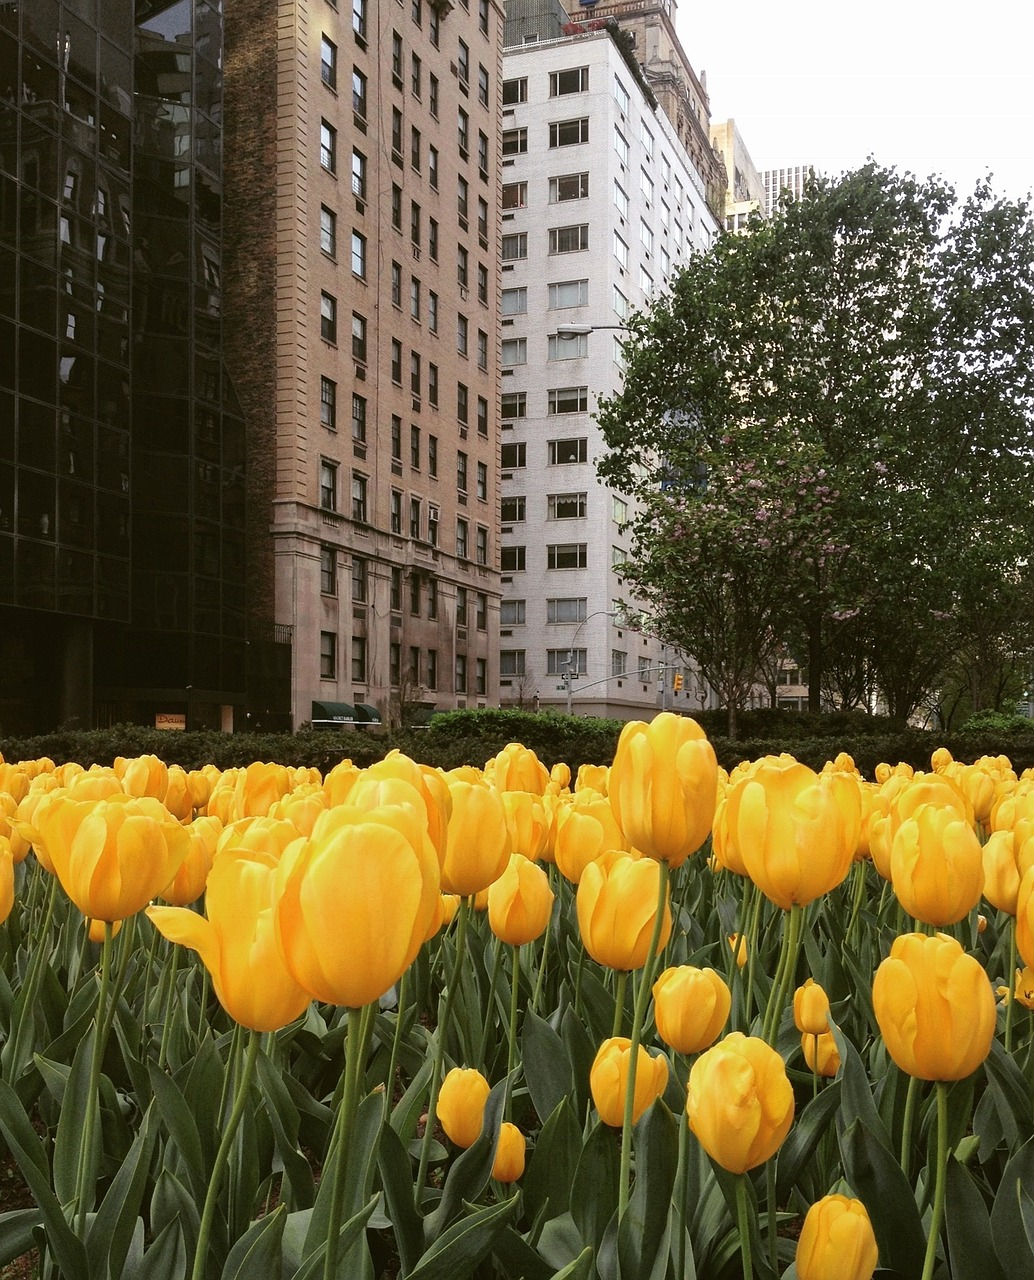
[
  {"x": 509, "y": 1154},
  {"x": 609, "y": 1076},
  {"x": 738, "y": 945},
  {"x": 585, "y": 828},
  {"x": 690, "y": 1007},
  {"x": 1023, "y": 989},
  {"x": 740, "y": 1102},
  {"x": 821, "y": 1053},
  {"x": 811, "y": 1009},
  {"x": 519, "y": 902},
  {"x": 461, "y": 1105},
  {"x": 836, "y": 1239},
  {"x": 936, "y": 866},
  {"x": 477, "y": 842},
  {"x": 617, "y": 906},
  {"x": 934, "y": 1006},
  {"x": 1001, "y": 871}
]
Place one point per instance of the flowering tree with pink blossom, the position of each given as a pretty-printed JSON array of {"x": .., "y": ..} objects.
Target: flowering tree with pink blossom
[{"x": 827, "y": 425}]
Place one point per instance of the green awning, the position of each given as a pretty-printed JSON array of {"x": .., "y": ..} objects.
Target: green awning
[
  {"x": 366, "y": 714},
  {"x": 334, "y": 713}
]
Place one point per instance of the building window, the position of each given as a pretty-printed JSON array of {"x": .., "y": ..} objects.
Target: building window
[
  {"x": 416, "y": 71},
  {"x": 396, "y": 512},
  {"x": 569, "y": 186},
  {"x": 515, "y": 142},
  {"x": 462, "y": 199},
  {"x": 462, "y": 404},
  {"x": 432, "y": 94},
  {"x": 620, "y": 251},
  {"x": 358, "y": 419},
  {"x": 414, "y": 447},
  {"x": 561, "y": 662},
  {"x": 566, "y": 555},
  {"x": 568, "y": 400},
  {"x": 621, "y": 96},
  {"x": 396, "y": 135},
  {"x": 328, "y": 231},
  {"x": 512, "y": 613},
  {"x": 396, "y": 438},
  {"x": 461, "y": 472},
  {"x": 620, "y": 199},
  {"x": 415, "y": 512},
  {"x": 432, "y": 668},
  {"x": 395, "y": 583},
  {"x": 358, "y": 337},
  {"x": 480, "y": 676},
  {"x": 463, "y": 61},
  {"x": 328, "y": 655},
  {"x": 511, "y": 663},
  {"x": 328, "y": 403},
  {"x": 396, "y": 59},
  {"x": 358, "y": 659},
  {"x": 462, "y": 540},
  {"x": 359, "y": 18},
  {"x": 482, "y": 349},
  {"x": 483, "y": 155},
  {"x": 568, "y": 293},
  {"x": 515, "y": 91},
  {"x": 461, "y": 606},
  {"x": 463, "y": 131},
  {"x": 513, "y": 559},
  {"x": 482, "y": 422},
  {"x": 462, "y": 266},
  {"x": 432, "y": 384},
  {"x": 570, "y": 80},
  {"x": 432, "y": 455},
  {"x": 360, "y": 579},
  {"x": 569, "y": 133},
  {"x": 396, "y": 284},
  {"x": 394, "y": 664},
  {"x": 432, "y": 598},
  {"x": 483, "y": 16},
  {"x": 482, "y": 284},
  {"x": 647, "y": 140},
  {"x": 359, "y": 93},
  {"x": 414, "y": 374},
  {"x": 511, "y": 510},
  {"x": 414, "y": 297},
  {"x": 515, "y": 247},
  {"x": 621, "y": 307},
  {"x": 481, "y": 545},
  {"x": 396, "y": 206},
  {"x": 645, "y": 236},
  {"x": 328, "y": 62},
  {"x": 483, "y": 219},
  {"x": 562, "y": 452},
  {"x": 569, "y": 239},
  {"x": 414, "y": 223},
  {"x": 328, "y": 571},
  {"x": 432, "y": 239},
  {"x": 432, "y": 311},
  {"x": 566, "y": 506},
  {"x": 328, "y": 485},
  {"x": 568, "y": 346},
  {"x": 359, "y": 484},
  {"x": 618, "y": 662},
  {"x": 328, "y": 318},
  {"x": 328, "y": 147},
  {"x": 433, "y": 516},
  {"x": 515, "y": 195},
  {"x": 359, "y": 255},
  {"x": 396, "y": 362},
  {"x": 461, "y": 673},
  {"x": 514, "y": 352},
  {"x": 618, "y": 509},
  {"x": 414, "y": 665},
  {"x": 513, "y": 456},
  {"x": 414, "y": 148},
  {"x": 432, "y": 167},
  {"x": 621, "y": 145},
  {"x": 566, "y": 609},
  {"x": 462, "y": 332},
  {"x": 514, "y": 404},
  {"x": 646, "y": 185}
]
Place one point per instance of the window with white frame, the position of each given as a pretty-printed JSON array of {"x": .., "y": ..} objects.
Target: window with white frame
[
  {"x": 561, "y": 453},
  {"x": 620, "y": 304},
  {"x": 511, "y": 510},
  {"x": 620, "y": 199},
  {"x": 514, "y": 351},
  {"x": 566, "y": 506},
  {"x": 567, "y": 555},
  {"x": 513, "y": 302},
  {"x": 621, "y": 145},
  {"x": 512, "y": 613},
  {"x": 512, "y": 559},
  {"x": 569, "y": 80},
  {"x": 646, "y": 185},
  {"x": 328, "y": 62},
  {"x": 568, "y": 186},
  {"x": 568, "y": 346},
  {"x": 328, "y": 147},
  {"x": 618, "y": 662},
  {"x": 515, "y": 195},
  {"x": 645, "y": 235},
  {"x": 568, "y": 400},
  {"x": 515, "y": 142},
  {"x": 515, "y": 247},
  {"x": 621, "y": 96},
  {"x": 511, "y": 663},
  {"x": 647, "y": 140},
  {"x": 566, "y": 609},
  {"x": 561, "y": 662},
  {"x": 568, "y": 133},
  {"x": 568, "y": 293},
  {"x": 571, "y": 239},
  {"x": 513, "y": 404},
  {"x": 515, "y": 91}
]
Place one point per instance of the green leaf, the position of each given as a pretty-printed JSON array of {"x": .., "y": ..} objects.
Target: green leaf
[
  {"x": 1011, "y": 1094},
  {"x": 1012, "y": 1246},
  {"x": 581, "y": 1052},
  {"x": 456, "y": 1253},
  {"x": 597, "y": 1182},
  {"x": 362, "y": 1155},
  {"x": 517, "y": 1259},
  {"x": 550, "y": 1177},
  {"x": 349, "y": 1235},
  {"x": 396, "y": 1171},
  {"x": 179, "y": 1120},
  {"x": 804, "y": 1137},
  {"x": 560, "y": 1242},
  {"x": 856, "y": 1094},
  {"x": 76, "y": 1099},
  {"x": 408, "y": 1109},
  {"x": 257, "y": 1253},
  {"x": 166, "y": 1257},
  {"x": 970, "y": 1243},
  {"x": 24, "y": 1145},
  {"x": 115, "y": 1223},
  {"x": 298, "y": 1190},
  {"x": 471, "y": 1172},
  {"x": 579, "y": 1269},
  {"x": 879, "y": 1183},
  {"x": 643, "y": 1232},
  {"x": 16, "y": 1233},
  {"x": 547, "y": 1070},
  {"x": 172, "y": 1202}
]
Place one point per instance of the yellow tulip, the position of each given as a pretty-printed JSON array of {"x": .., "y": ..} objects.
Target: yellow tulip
[
  {"x": 821, "y": 1053},
  {"x": 934, "y": 1006},
  {"x": 179, "y": 798},
  {"x": 811, "y": 1008},
  {"x": 527, "y": 822},
  {"x": 189, "y": 882},
  {"x": 663, "y": 786},
  {"x": 796, "y": 830},
  {"x": 517, "y": 768},
  {"x": 6, "y": 879},
  {"x": 236, "y": 940},
  {"x": 837, "y": 1241},
  {"x": 258, "y": 787},
  {"x": 739, "y": 946},
  {"x": 617, "y": 905},
  {"x": 1001, "y": 871},
  {"x": 1022, "y": 990},
  {"x": 1025, "y": 916},
  {"x": 461, "y": 1105},
  {"x": 690, "y": 1007},
  {"x": 356, "y": 905},
  {"x": 936, "y": 866},
  {"x": 592, "y": 777},
  {"x": 508, "y": 1165},
  {"x": 739, "y": 1102},
  {"x": 143, "y": 776},
  {"x": 608, "y": 1078},
  {"x": 477, "y": 842},
  {"x": 585, "y": 828},
  {"x": 560, "y": 775},
  {"x": 520, "y": 902},
  {"x": 111, "y": 856}
]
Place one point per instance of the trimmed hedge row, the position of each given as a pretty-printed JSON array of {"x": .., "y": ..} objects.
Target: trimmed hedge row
[{"x": 472, "y": 737}]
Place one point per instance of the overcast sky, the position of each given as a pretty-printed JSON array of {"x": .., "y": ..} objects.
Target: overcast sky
[{"x": 932, "y": 88}]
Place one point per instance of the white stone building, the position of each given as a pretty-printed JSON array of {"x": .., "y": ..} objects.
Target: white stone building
[{"x": 600, "y": 204}]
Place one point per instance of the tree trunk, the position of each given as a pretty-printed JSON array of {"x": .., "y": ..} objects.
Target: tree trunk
[{"x": 815, "y": 654}]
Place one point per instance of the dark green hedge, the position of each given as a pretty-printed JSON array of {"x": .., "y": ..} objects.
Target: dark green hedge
[{"x": 472, "y": 737}]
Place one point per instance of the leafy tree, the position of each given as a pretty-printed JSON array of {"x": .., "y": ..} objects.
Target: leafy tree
[{"x": 826, "y": 422}]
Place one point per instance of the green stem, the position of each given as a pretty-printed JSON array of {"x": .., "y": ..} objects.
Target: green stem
[
  {"x": 168, "y": 1001},
  {"x": 619, "y": 1001},
  {"x": 773, "y": 1216},
  {"x": 638, "y": 1015},
  {"x": 511, "y": 1044},
  {"x": 126, "y": 947},
  {"x": 493, "y": 984},
  {"x": 787, "y": 968},
  {"x": 13, "y": 1063},
  {"x": 752, "y": 952},
  {"x": 396, "y": 1041},
  {"x": 682, "y": 1194},
  {"x": 941, "y": 1182},
  {"x": 734, "y": 976},
  {"x": 359, "y": 1027},
  {"x": 222, "y": 1156},
  {"x": 1010, "y": 978},
  {"x": 907, "y": 1125},
  {"x": 578, "y": 983},
  {"x": 743, "y": 1224},
  {"x": 93, "y": 1105},
  {"x": 444, "y": 1016},
  {"x": 539, "y": 981}
]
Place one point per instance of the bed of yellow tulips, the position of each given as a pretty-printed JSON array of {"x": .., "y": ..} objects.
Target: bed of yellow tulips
[{"x": 654, "y": 1022}]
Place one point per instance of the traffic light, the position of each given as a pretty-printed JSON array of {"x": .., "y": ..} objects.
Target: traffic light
[{"x": 678, "y": 681}]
